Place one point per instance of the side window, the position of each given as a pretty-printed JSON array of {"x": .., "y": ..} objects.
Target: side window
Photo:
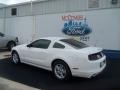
[
  {"x": 1, "y": 34},
  {"x": 42, "y": 43},
  {"x": 58, "y": 45}
]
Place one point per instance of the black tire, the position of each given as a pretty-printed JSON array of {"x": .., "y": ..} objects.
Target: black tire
[
  {"x": 15, "y": 58},
  {"x": 11, "y": 45},
  {"x": 67, "y": 74}
]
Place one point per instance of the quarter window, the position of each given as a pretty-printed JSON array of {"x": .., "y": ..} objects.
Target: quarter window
[
  {"x": 58, "y": 45},
  {"x": 42, "y": 43}
]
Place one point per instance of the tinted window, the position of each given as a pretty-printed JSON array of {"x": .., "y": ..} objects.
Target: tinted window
[
  {"x": 58, "y": 45},
  {"x": 74, "y": 43},
  {"x": 14, "y": 11},
  {"x": 42, "y": 43}
]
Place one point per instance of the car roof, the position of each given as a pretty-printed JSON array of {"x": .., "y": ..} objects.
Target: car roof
[{"x": 54, "y": 38}]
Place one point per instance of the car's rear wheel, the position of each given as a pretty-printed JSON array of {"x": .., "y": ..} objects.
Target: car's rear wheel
[
  {"x": 15, "y": 58},
  {"x": 61, "y": 70},
  {"x": 11, "y": 45}
]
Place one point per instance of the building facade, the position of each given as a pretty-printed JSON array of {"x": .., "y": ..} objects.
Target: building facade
[{"x": 95, "y": 22}]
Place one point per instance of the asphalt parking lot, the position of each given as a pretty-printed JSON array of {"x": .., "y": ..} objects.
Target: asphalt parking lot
[{"x": 44, "y": 80}]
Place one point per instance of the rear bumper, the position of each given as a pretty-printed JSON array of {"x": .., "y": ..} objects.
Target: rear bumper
[{"x": 90, "y": 70}]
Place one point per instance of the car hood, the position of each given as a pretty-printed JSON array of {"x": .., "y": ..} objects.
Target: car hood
[
  {"x": 19, "y": 46},
  {"x": 23, "y": 45},
  {"x": 90, "y": 50}
]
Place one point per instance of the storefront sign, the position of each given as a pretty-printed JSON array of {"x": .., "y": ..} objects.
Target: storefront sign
[{"x": 75, "y": 25}]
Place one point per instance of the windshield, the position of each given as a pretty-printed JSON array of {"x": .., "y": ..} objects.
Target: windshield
[{"x": 74, "y": 43}]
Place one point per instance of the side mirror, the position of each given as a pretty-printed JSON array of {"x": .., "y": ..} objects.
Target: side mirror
[{"x": 29, "y": 45}]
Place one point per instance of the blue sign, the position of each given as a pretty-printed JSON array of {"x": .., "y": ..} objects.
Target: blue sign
[{"x": 76, "y": 28}]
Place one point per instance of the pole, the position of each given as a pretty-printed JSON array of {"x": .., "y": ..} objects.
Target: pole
[
  {"x": 33, "y": 21},
  {"x": 4, "y": 21}
]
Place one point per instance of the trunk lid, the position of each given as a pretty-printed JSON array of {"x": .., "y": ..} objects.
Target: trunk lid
[{"x": 90, "y": 50}]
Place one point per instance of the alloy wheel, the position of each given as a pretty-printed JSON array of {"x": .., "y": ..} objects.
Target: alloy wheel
[
  {"x": 60, "y": 71},
  {"x": 15, "y": 58}
]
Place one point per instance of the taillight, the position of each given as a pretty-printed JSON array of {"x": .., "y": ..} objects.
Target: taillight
[{"x": 95, "y": 56}]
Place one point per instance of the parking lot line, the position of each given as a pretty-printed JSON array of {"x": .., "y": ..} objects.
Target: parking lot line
[{"x": 5, "y": 54}]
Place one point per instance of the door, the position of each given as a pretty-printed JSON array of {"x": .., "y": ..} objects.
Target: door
[{"x": 37, "y": 52}]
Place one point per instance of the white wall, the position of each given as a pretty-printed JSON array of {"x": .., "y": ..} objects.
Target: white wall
[
  {"x": 1, "y": 25},
  {"x": 105, "y": 24},
  {"x": 20, "y": 27}
]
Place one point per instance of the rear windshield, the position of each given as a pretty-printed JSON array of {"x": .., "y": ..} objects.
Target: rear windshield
[{"x": 74, "y": 43}]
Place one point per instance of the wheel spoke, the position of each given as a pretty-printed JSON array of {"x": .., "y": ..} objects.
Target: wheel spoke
[
  {"x": 60, "y": 71},
  {"x": 15, "y": 58}
]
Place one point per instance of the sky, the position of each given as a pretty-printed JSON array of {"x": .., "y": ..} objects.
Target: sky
[{"x": 8, "y": 2}]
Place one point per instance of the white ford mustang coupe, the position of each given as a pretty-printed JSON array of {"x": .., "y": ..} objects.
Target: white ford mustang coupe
[{"x": 65, "y": 57}]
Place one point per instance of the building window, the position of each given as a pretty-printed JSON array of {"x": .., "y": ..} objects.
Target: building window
[
  {"x": 93, "y": 3},
  {"x": 14, "y": 11},
  {"x": 114, "y": 2}
]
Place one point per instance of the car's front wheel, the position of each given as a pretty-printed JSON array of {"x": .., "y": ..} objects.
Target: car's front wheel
[
  {"x": 61, "y": 70},
  {"x": 15, "y": 58}
]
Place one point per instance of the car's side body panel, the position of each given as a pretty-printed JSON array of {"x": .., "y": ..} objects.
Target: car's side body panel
[{"x": 4, "y": 40}]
